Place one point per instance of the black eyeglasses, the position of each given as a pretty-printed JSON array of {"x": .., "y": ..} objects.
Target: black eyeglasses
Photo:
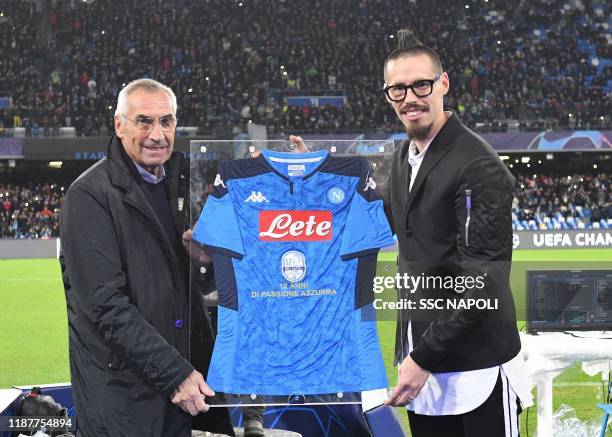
[
  {"x": 147, "y": 124},
  {"x": 420, "y": 88}
]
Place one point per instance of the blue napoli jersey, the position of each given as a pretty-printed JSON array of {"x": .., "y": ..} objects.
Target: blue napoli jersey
[{"x": 294, "y": 240}]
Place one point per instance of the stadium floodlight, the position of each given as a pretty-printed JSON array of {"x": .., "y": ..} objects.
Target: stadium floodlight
[{"x": 525, "y": 159}]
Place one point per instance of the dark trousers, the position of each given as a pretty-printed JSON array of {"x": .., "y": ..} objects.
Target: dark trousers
[{"x": 496, "y": 417}]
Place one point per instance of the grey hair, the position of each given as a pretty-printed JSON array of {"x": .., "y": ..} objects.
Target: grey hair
[{"x": 149, "y": 85}]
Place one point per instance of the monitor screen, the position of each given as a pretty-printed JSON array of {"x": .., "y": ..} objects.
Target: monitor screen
[{"x": 560, "y": 300}]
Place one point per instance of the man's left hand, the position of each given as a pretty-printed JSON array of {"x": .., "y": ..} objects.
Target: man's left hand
[
  {"x": 190, "y": 395},
  {"x": 412, "y": 378},
  {"x": 298, "y": 144}
]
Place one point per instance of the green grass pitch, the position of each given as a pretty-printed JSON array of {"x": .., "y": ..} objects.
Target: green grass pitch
[{"x": 34, "y": 342}]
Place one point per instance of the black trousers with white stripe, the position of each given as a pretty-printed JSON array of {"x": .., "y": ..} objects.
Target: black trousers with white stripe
[{"x": 496, "y": 417}]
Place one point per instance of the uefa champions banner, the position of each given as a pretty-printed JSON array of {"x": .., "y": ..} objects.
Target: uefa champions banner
[
  {"x": 562, "y": 239},
  {"x": 291, "y": 238}
]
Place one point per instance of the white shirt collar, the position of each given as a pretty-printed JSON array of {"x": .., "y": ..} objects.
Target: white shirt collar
[{"x": 149, "y": 177}]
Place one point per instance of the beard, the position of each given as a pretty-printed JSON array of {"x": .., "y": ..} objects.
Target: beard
[{"x": 419, "y": 133}]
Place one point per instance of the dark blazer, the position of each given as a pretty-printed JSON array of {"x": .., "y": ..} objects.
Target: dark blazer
[
  {"x": 128, "y": 301},
  {"x": 430, "y": 226}
]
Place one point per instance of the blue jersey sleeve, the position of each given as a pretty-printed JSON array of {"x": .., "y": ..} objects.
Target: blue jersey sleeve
[
  {"x": 367, "y": 228},
  {"x": 217, "y": 228}
]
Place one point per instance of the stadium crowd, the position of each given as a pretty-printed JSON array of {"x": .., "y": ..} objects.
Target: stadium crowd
[
  {"x": 542, "y": 63},
  {"x": 575, "y": 201},
  {"x": 31, "y": 210}
]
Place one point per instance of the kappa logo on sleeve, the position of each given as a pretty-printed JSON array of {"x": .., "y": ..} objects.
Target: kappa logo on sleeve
[
  {"x": 219, "y": 181},
  {"x": 370, "y": 185},
  {"x": 295, "y": 225}
]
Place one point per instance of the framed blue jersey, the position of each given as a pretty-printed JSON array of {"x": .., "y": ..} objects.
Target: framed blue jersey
[{"x": 294, "y": 240}]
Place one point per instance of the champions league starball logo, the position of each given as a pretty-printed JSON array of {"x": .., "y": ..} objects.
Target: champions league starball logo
[{"x": 293, "y": 266}]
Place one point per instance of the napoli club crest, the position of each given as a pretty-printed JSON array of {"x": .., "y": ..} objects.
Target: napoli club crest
[
  {"x": 293, "y": 266},
  {"x": 335, "y": 195}
]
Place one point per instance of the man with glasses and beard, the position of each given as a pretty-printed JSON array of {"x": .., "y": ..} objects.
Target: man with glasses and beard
[
  {"x": 125, "y": 277},
  {"x": 449, "y": 202}
]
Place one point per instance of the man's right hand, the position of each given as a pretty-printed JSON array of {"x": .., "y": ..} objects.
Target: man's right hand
[{"x": 190, "y": 394}]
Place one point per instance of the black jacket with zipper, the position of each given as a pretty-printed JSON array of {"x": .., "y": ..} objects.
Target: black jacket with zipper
[{"x": 429, "y": 222}]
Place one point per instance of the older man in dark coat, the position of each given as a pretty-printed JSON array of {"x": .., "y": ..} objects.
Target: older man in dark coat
[{"x": 125, "y": 276}]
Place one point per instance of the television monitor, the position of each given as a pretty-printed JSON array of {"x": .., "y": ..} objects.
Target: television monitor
[{"x": 561, "y": 300}]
